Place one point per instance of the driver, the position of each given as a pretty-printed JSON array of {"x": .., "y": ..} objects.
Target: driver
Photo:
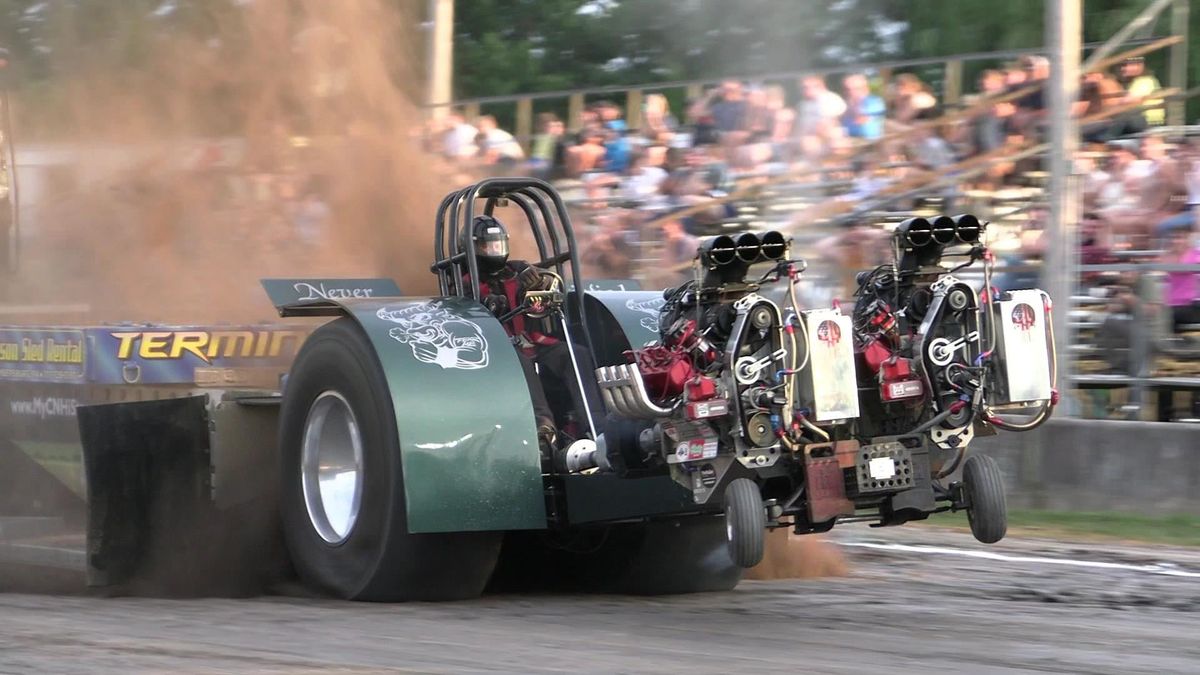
[{"x": 502, "y": 287}]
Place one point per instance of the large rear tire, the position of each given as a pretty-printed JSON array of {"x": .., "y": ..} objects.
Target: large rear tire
[
  {"x": 342, "y": 493},
  {"x": 987, "y": 512}
]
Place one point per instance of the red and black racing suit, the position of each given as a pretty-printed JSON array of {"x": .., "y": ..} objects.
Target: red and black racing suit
[{"x": 501, "y": 292}]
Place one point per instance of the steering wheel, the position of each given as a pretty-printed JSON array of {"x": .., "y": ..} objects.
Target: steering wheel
[{"x": 547, "y": 298}]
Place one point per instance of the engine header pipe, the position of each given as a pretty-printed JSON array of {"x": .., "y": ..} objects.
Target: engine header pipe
[
  {"x": 774, "y": 245},
  {"x": 915, "y": 232},
  {"x": 967, "y": 228},
  {"x": 719, "y": 251},
  {"x": 943, "y": 230},
  {"x": 749, "y": 248}
]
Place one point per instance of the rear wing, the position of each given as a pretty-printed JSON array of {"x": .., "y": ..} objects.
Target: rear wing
[{"x": 318, "y": 297}]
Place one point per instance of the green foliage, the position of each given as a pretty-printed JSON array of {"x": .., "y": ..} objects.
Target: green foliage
[
  {"x": 636, "y": 41},
  {"x": 505, "y": 47},
  {"x": 663, "y": 40},
  {"x": 946, "y": 27}
]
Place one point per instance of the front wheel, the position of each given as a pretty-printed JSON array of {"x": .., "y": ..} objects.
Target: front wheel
[
  {"x": 745, "y": 522},
  {"x": 987, "y": 510},
  {"x": 342, "y": 491}
]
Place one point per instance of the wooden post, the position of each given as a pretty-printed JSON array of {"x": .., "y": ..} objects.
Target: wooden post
[
  {"x": 575, "y": 112},
  {"x": 1064, "y": 27},
  {"x": 441, "y": 56},
  {"x": 524, "y": 130},
  {"x": 1177, "y": 78},
  {"x": 952, "y": 81},
  {"x": 633, "y": 108}
]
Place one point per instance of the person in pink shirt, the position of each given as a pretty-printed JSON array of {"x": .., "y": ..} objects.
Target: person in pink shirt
[{"x": 1183, "y": 288}]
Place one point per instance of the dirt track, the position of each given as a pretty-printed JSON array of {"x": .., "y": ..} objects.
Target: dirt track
[{"x": 924, "y": 610}]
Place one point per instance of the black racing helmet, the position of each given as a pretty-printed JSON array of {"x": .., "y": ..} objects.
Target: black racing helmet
[{"x": 490, "y": 240}]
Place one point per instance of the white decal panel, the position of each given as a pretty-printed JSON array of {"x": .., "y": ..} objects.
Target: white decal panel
[
  {"x": 438, "y": 336},
  {"x": 650, "y": 308}
]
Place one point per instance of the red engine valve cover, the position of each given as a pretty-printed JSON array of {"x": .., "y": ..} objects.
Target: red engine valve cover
[
  {"x": 875, "y": 354},
  {"x": 664, "y": 371},
  {"x": 701, "y": 388},
  {"x": 896, "y": 369}
]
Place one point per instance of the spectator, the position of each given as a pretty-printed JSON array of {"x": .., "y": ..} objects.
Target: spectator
[
  {"x": 1015, "y": 76},
  {"x": 1141, "y": 189},
  {"x": 869, "y": 180},
  {"x": 1099, "y": 94},
  {"x": 617, "y": 148},
  {"x": 782, "y": 120},
  {"x": 752, "y": 148},
  {"x": 658, "y": 124},
  {"x": 1095, "y": 245},
  {"x": 1183, "y": 288},
  {"x": 458, "y": 141},
  {"x": 730, "y": 108},
  {"x": 1189, "y": 169},
  {"x": 760, "y": 119},
  {"x": 699, "y": 181},
  {"x": 1030, "y": 113},
  {"x": 610, "y": 249},
  {"x": 588, "y": 155},
  {"x": 1115, "y": 335},
  {"x": 990, "y": 126},
  {"x": 589, "y": 121},
  {"x": 547, "y": 156},
  {"x": 912, "y": 99},
  {"x": 864, "y": 111},
  {"x": 1139, "y": 85},
  {"x": 817, "y": 125},
  {"x": 1026, "y": 258},
  {"x": 644, "y": 181},
  {"x": 497, "y": 146}
]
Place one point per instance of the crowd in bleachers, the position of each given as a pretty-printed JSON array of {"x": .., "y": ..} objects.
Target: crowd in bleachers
[{"x": 856, "y": 137}]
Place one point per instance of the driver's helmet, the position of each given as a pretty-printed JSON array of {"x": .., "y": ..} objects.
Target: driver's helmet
[{"x": 490, "y": 240}]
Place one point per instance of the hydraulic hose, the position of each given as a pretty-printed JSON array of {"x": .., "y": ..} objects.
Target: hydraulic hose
[{"x": 933, "y": 421}]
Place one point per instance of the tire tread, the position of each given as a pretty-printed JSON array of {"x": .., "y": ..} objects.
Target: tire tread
[{"x": 988, "y": 511}]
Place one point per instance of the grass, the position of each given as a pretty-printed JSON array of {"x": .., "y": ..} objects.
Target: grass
[{"x": 1178, "y": 530}]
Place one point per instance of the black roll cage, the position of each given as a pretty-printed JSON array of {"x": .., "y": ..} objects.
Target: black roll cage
[{"x": 548, "y": 220}]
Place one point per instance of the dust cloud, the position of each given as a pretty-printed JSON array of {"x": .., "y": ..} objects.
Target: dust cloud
[
  {"x": 791, "y": 556},
  {"x": 279, "y": 142}
]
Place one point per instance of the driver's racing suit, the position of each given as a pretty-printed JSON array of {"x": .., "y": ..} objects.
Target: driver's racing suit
[{"x": 503, "y": 291}]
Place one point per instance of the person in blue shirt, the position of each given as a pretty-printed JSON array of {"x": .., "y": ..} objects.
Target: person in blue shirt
[
  {"x": 618, "y": 152},
  {"x": 864, "y": 111}
]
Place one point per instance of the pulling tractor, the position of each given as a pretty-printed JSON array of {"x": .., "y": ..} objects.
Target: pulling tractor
[{"x": 393, "y": 453}]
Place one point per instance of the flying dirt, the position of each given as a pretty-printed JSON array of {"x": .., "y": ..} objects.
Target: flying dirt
[{"x": 275, "y": 141}]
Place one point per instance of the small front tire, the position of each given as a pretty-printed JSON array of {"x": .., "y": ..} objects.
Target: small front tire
[
  {"x": 745, "y": 522},
  {"x": 987, "y": 510}
]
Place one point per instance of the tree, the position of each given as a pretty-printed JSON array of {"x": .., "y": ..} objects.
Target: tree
[{"x": 510, "y": 46}]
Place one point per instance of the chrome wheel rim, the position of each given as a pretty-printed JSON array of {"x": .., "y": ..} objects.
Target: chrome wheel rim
[{"x": 331, "y": 467}]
